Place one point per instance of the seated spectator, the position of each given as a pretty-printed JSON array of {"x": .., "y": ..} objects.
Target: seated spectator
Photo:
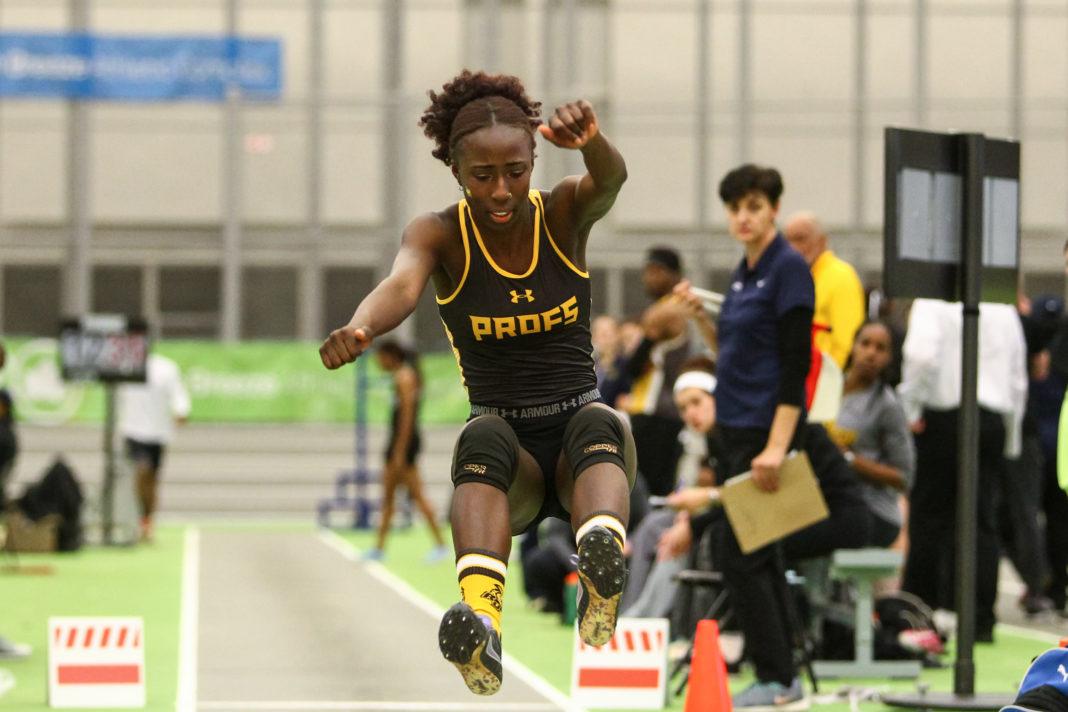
[
  {"x": 609, "y": 359},
  {"x": 872, "y": 432},
  {"x": 650, "y": 590}
]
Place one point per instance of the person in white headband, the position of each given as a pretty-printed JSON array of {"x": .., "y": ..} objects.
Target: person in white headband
[{"x": 697, "y": 407}]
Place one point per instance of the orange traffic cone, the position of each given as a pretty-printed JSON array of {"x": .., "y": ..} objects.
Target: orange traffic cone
[{"x": 708, "y": 691}]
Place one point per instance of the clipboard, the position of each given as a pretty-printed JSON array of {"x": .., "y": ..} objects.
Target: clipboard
[{"x": 759, "y": 518}]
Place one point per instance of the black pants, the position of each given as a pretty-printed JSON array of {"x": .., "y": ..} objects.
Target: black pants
[
  {"x": 1021, "y": 498},
  {"x": 1055, "y": 504},
  {"x": 930, "y": 569},
  {"x": 756, "y": 581},
  {"x": 656, "y": 440},
  {"x": 849, "y": 523}
]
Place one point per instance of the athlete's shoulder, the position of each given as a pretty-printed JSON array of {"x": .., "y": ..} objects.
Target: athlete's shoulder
[{"x": 432, "y": 229}]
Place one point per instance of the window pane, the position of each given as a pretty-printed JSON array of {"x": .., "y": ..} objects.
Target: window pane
[
  {"x": 117, "y": 290},
  {"x": 189, "y": 302},
  {"x": 32, "y": 297},
  {"x": 269, "y": 303}
]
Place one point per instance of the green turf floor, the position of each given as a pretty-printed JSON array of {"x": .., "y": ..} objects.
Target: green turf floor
[
  {"x": 146, "y": 581},
  {"x": 142, "y": 581},
  {"x": 543, "y": 643}
]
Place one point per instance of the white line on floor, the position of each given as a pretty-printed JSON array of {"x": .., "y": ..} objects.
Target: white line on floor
[
  {"x": 417, "y": 599},
  {"x": 190, "y": 622},
  {"x": 379, "y": 706}
]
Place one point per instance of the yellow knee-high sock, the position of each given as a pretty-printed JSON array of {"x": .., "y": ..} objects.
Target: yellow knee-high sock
[
  {"x": 609, "y": 522},
  {"x": 481, "y": 575}
]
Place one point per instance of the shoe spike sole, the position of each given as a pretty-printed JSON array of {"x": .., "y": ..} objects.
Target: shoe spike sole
[
  {"x": 462, "y": 639},
  {"x": 603, "y": 573}
]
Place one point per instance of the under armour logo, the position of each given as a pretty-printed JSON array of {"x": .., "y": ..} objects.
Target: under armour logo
[
  {"x": 528, "y": 295},
  {"x": 1063, "y": 672}
]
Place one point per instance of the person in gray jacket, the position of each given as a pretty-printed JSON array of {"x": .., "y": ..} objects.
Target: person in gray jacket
[{"x": 872, "y": 430}]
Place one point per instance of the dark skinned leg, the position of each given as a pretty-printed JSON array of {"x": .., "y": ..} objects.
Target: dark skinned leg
[
  {"x": 415, "y": 490},
  {"x": 600, "y": 488},
  {"x": 146, "y": 491},
  {"x": 389, "y": 491},
  {"x": 484, "y": 517},
  {"x": 603, "y": 487},
  {"x": 144, "y": 488}
]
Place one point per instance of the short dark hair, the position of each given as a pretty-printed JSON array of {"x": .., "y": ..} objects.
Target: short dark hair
[
  {"x": 665, "y": 257},
  {"x": 751, "y": 178}
]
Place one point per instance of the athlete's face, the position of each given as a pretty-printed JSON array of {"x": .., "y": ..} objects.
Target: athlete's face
[
  {"x": 697, "y": 408},
  {"x": 751, "y": 219},
  {"x": 494, "y": 170}
]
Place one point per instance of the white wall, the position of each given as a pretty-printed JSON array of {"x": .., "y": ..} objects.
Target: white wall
[{"x": 162, "y": 163}]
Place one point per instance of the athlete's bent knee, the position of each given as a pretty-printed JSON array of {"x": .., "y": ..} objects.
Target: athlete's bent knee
[
  {"x": 487, "y": 451},
  {"x": 597, "y": 434}
]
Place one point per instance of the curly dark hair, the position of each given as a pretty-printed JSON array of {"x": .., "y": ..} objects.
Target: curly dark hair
[{"x": 475, "y": 100}]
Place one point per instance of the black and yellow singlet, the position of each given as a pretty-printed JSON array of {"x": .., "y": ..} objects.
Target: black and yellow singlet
[{"x": 520, "y": 339}]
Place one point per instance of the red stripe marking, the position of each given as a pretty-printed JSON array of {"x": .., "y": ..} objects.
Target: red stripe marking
[
  {"x": 122, "y": 638},
  {"x": 137, "y": 639},
  {"x": 614, "y": 643},
  {"x": 104, "y": 638},
  {"x": 57, "y": 634},
  {"x": 619, "y": 677},
  {"x": 98, "y": 674},
  {"x": 629, "y": 637},
  {"x": 647, "y": 644},
  {"x": 659, "y": 639},
  {"x": 71, "y": 636},
  {"x": 88, "y": 637}
]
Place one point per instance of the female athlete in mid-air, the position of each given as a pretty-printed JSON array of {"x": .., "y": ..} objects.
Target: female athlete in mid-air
[{"x": 509, "y": 269}]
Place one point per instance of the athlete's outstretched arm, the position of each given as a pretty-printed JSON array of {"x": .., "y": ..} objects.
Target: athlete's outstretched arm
[
  {"x": 393, "y": 299},
  {"x": 591, "y": 195}
]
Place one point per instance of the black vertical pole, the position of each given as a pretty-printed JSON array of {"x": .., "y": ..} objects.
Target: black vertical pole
[
  {"x": 973, "y": 157},
  {"x": 107, "y": 512}
]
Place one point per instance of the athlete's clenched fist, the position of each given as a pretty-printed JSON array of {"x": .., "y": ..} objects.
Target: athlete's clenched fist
[{"x": 344, "y": 345}]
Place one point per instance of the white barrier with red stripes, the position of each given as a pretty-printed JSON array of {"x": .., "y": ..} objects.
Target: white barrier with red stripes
[
  {"x": 96, "y": 662},
  {"x": 630, "y": 671}
]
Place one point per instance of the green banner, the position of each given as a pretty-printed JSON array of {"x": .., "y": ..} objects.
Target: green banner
[{"x": 254, "y": 382}]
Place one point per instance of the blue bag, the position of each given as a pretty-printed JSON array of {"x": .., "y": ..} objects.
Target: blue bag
[{"x": 1045, "y": 686}]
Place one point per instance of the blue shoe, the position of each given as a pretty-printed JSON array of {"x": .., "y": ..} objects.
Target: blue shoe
[
  {"x": 771, "y": 696},
  {"x": 374, "y": 555},
  {"x": 602, "y": 575},
  {"x": 469, "y": 642},
  {"x": 438, "y": 553}
]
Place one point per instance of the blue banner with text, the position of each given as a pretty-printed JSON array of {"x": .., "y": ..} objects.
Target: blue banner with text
[{"x": 138, "y": 68}]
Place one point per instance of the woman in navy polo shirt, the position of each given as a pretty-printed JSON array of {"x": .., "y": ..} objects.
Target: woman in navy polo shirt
[{"x": 764, "y": 336}]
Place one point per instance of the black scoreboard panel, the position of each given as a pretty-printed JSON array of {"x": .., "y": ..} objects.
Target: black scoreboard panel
[
  {"x": 109, "y": 348},
  {"x": 924, "y": 220}
]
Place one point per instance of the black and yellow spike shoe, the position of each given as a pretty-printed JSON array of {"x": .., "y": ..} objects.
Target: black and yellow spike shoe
[
  {"x": 470, "y": 642},
  {"x": 602, "y": 575}
]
